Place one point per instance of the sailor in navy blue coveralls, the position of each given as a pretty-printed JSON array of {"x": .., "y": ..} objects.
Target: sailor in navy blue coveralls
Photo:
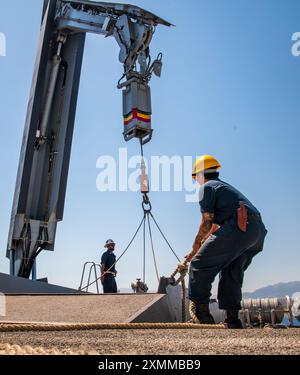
[
  {"x": 228, "y": 251},
  {"x": 108, "y": 261}
]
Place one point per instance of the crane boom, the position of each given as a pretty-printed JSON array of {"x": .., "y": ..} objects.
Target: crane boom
[{"x": 45, "y": 153}]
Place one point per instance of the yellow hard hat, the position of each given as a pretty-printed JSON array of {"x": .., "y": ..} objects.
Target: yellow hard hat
[{"x": 205, "y": 162}]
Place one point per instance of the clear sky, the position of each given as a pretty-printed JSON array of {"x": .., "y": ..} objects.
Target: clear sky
[{"x": 230, "y": 87}]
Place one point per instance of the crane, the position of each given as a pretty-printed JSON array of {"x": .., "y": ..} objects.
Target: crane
[{"x": 39, "y": 198}]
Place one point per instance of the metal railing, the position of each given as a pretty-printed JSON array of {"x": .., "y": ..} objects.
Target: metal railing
[{"x": 93, "y": 268}]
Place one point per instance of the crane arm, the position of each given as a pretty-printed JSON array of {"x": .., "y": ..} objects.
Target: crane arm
[{"x": 45, "y": 154}]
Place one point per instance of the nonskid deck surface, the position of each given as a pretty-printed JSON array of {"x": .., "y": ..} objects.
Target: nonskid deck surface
[
  {"x": 194, "y": 342},
  {"x": 113, "y": 308}
]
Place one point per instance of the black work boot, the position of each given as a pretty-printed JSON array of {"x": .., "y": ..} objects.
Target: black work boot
[
  {"x": 232, "y": 319},
  {"x": 200, "y": 314}
]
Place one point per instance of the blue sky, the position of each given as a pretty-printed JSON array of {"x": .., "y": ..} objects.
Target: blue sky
[{"x": 230, "y": 87}]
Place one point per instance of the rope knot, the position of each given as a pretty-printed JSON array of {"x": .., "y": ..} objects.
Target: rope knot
[{"x": 182, "y": 268}]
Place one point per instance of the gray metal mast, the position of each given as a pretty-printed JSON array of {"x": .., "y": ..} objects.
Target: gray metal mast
[{"x": 45, "y": 154}]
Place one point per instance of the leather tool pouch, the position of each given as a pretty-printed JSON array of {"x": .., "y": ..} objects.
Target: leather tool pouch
[{"x": 242, "y": 217}]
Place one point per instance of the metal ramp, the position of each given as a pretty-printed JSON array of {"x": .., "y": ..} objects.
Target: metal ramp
[
  {"x": 105, "y": 308},
  {"x": 35, "y": 301}
]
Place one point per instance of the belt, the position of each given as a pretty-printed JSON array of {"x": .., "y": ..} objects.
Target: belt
[
  {"x": 254, "y": 216},
  {"x": 110, "y": 272}
]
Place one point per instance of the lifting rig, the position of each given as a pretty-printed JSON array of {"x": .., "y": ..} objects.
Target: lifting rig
[{"x": 45, "y": 154}]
